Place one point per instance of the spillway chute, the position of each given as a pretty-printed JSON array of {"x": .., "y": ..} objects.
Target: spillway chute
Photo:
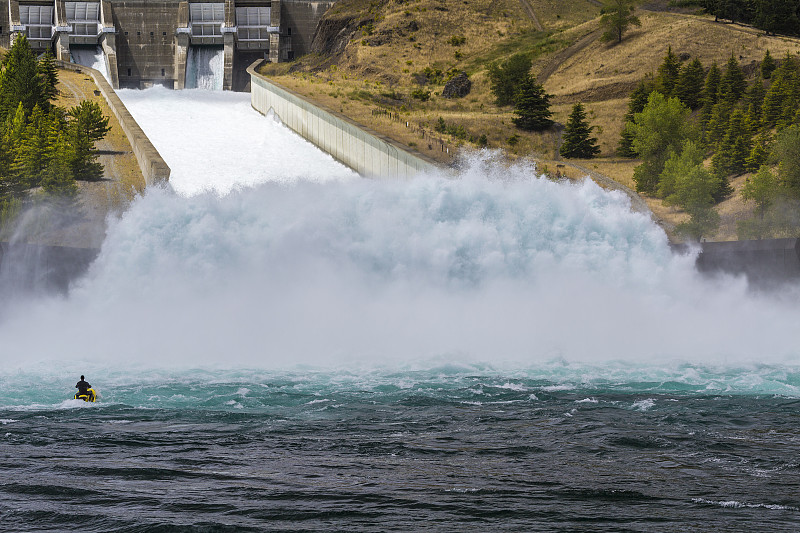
[
  {"x": 205, "y": 68},
  {"x": 90, "y": 56}
]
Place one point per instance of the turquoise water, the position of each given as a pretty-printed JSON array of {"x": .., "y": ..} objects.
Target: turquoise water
[
  {"x": 558, "y": 447},
  {"x": 488, "y": 350}
]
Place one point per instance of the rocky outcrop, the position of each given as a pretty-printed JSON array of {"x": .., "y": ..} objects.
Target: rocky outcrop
[
  {"x": 458, "y": 86},
  {"x": 333, "y": 34}
]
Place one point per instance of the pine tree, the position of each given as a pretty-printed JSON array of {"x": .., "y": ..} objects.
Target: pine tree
[
  {"x": 668, "y": 73},
  {"x": 718, "y": 123},
  {"x": 691, "y": 81},
  {"x": 780, "y": 102},
  {"x": 532, "y": 107},
  {"x": 577, "y": 140},
  {"x": 768, "y": 66},
  {"x": 732, "y": 85},
  {"x": 88, "y": 118},
  {"x": 777, "y": 16},
  {"x": 13, "y": 135},
  {"x": 758, "y": 154},
  {"x": 679, "y": 164},
  {"x": 49, "y": 74},
  {"x": 732, "y": 152},
  {"x": 57, "y": 178},
  {"x": 636, "y": 103},
  {"x": 762, "y": 189},
  {"x": 658, "y": 131},
  {"x": 31, "y": 156},
  {"x": 787, "y": 152},
  {"x": 710, "y": 95},
  {"x": 506, "y": 78},
  {"x": 687, "y": 184},
  {"x": 20, "y": 82},
  {"x": 617, "y": 18},
  {"x": 755, "y": 103}
]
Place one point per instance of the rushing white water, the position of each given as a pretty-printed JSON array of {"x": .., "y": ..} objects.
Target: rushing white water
[
  {"x": 216, "y": 141},
  {"x": 205, "y": 68},
  {"x": 90, "y": 56},
  {"x": 271, "y": 254}
]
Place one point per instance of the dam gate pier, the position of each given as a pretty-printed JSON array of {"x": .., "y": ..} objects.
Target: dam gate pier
[{"x": 147, "y": 42}]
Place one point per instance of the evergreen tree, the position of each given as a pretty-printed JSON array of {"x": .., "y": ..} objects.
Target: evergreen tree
[
  {"x": 86, "y": 126},
  {"x": 57, "y": 178},
  {"x": 88, "y": 118},
  {"x": 49, "y": 74},
  {"x": 732, "y": 153},
  {"x": 718, "y": 123},
  {"x": 691, "y": 81},
  {"x": 710, "y": 94},
  {"x": 777, "y": 17},
  {"x": 532, "y": 107},
  {"x": 668, "y": 74},
  {"x": 577, "y": 140},
  {"x": 768, "y": 66},
  {"x": 755, "y": 103},
  {"x": 20, "y": 82},
  {"x": 787, "y": 153},
  {"x": 678, "y": 165},
  {"x": 758, "y": 153},
  {"x": 506, "y": 78},
  {"x": 658, "y": 131},
  {"x": 687, "y": 184},
  {"x": 617, "y": 18},
  {"x": 732, "y": 85},
  {"x": 762, "y": 189},
  {"x": 13, "y": 135},
  {"x": 636, "y": 103},
  {"x": 780, "y": 102},
  {"x": 32, "y": 151}
]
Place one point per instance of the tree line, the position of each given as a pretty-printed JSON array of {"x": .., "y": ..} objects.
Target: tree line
[
  {"x": 684, "y": 114},
  {"x": 44, "y": 148},
  {"x": 773, "y": 16}
]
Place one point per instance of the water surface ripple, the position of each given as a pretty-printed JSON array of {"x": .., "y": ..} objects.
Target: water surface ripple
[{"x": 444, "y": 449}]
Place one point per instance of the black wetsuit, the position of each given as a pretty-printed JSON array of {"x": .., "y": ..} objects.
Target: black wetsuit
[{"x": 83, "y": 387}]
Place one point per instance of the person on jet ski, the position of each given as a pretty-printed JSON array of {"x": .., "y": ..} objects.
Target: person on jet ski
[{"x": 82, "y": 386}]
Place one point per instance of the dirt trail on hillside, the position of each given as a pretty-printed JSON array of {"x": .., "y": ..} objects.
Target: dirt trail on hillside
[
  {"x": 532, "y": 14},
  {"x": 565, "y": 54}
]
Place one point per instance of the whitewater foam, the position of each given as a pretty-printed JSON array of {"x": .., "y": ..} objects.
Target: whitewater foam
[{"x": 271, "y": 255}]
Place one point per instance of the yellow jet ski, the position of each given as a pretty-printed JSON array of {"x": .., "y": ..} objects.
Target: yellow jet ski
[{"x": 89, "y": 396}]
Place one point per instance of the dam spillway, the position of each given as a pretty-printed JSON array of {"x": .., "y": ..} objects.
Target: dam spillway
[
  {"x": 261, "y": 230},
  {"x": 147, "y": 43}
]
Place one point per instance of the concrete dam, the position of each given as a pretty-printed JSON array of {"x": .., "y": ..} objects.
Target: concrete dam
[{"x": 149, "y": 42}]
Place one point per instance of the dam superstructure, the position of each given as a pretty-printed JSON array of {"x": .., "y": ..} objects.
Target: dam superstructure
[{"x": 147, "y": 42}]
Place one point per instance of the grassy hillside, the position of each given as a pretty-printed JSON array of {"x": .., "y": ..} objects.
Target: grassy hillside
[{"x": 387, "y": 57}]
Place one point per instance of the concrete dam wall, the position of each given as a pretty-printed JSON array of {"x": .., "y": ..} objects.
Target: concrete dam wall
[
  {"x": 147, "y": 42},
  {"x": 764, "y": 262},
  {"x": 365, "y": 151},
  {"x": 153, "y": 167}
]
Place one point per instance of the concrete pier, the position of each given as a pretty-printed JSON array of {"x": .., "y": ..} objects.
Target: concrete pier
[
  {"x": 356, "y": 146},
  {"x": 145, "y": 42}
]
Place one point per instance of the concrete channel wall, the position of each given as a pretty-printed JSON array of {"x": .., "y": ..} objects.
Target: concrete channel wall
[
  {"x": 153, "y": 166},
  {"x": 365, "y": 151}
]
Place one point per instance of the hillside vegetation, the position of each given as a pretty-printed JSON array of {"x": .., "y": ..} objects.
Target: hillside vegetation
[{"x": 385, "y": 65}]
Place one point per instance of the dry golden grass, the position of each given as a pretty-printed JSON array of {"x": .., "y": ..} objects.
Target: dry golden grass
[
  {"x": 561, "y": 15},
  {"x": 605, "y": 66},
  {"x": 583, "y": 69}
]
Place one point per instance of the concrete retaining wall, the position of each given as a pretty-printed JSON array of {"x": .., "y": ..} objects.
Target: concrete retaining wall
[
  {"x": 365, "y": 151},
  {"x": 34, "y": 268},
  {"x": 153, "y": 166},
  {"x": 763, "y": 262}
]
